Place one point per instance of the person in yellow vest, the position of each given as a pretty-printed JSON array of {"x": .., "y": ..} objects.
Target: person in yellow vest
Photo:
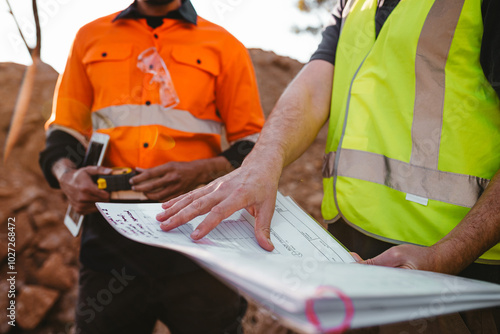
[{"x": 411, "y": 92}]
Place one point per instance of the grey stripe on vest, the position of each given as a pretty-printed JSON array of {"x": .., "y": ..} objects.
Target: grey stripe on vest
[
  {"x": 140, "y": 115},
  {"x": 458, "y": 189},
  {"x": 430, "y": 62}
]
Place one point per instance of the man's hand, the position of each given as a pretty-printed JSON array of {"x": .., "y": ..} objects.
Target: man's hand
[
  {"x": 251, "y": 187},
  {"x": 82, "y": 192},
  {"x": 290, "y": 129},
  {"x": 172, "y": 179},
  {"x": 409, "y": 257}
]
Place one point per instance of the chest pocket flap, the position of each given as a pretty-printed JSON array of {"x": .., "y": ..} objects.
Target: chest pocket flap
[
  {"x": 202, "y": 59},
  {"x": 108, "y": 52}
]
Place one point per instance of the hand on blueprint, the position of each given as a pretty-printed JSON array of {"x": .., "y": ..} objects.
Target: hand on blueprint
[
  {"x": 253, "y": 186},
  {"x": 408, "y": 257}
]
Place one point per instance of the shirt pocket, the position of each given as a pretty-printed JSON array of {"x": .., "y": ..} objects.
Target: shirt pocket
[
  {"x": 194, "y": 71},
  {"x": 109, "y": 69},
  {"x": 197, "y": 59}
]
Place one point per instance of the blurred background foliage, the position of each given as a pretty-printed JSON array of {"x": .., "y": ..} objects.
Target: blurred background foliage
[
  {"x": 310, "y": 5},
  {"x": 315, "y": 7}
]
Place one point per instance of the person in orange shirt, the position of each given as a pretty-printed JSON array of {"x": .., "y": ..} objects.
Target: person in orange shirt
[{"x": 163, "y": 83}]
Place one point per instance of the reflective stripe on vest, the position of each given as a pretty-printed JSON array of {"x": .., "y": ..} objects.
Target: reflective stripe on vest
[
  {"x": 414, "y": 124},
  {"x": 457, "y": 189},
  {"x": 430, "y": 65},
  {"x": 141, "y": 115}
]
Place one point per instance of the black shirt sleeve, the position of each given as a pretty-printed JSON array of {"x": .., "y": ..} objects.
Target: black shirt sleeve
[
  {"x": 490, "y": 47},
  {"x": 330, "y": 36},
  {"x": 60, "y": 144}
]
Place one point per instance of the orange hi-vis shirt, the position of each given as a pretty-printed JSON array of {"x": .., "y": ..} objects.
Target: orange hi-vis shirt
[{"x": 102, "y": 89}]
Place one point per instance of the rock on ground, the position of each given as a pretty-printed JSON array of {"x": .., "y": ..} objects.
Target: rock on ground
[{"x": 33, "y": 303}]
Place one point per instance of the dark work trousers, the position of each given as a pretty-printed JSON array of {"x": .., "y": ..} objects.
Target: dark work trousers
[
  {"x": 486, "y": 321},
  {"x": 125, "y": 286},
  {"x": 190, "y": 303}
]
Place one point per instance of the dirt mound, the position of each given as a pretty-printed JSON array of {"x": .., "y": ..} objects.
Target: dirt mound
[
  {"x": 302, "y": 179},
  {"x": 46, "y": 254}
]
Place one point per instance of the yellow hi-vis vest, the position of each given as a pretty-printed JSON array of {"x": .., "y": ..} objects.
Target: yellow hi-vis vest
[{"x": 414, "y": 133}]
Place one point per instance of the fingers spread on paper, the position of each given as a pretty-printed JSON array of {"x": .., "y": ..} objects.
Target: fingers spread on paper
[
  {"x": 217, "y": 213},
  {"x": 186, "y": 208},
  {"x": 174, "y": 206},
  {"x": 242, "y": 188}
]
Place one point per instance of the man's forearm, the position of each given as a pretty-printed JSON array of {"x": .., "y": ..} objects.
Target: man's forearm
[
  {"x": 297, "y": 118},
  {"x": 476, "y": 233}
]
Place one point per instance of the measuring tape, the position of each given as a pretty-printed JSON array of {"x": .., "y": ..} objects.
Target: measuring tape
[{"x": 116, "y": 181}]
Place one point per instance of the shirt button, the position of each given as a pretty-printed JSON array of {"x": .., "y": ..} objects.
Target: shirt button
[
  {"x": 198, "y": 61},
  {"x": 104, "y": 54},
  {"x": 155, "y": 36},
  {"x": 145, "y": 145},
  {"x": 148, "y": 103}
]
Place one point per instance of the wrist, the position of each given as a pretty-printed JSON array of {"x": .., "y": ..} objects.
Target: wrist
[
  {"x": 271, "y": 163},
  {"x": 447, "y": 258},
  {"x": 61, "y": 168}
]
